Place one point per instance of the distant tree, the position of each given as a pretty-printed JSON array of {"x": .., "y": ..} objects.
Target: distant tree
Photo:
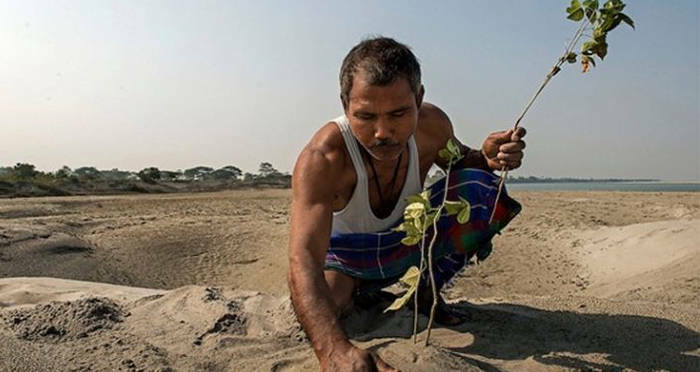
[
  {"x": 149, "y": 175},
  {"x": 24, "y": 171},
  {"x": 169, "y": 175},
  {"x": 234, "y": 170},
  {"x": 64, "y": 172},
  {"x": 225, "y": 173},
  {"x": 248, "y": 177},
  {"x": 115, "y": 174},
  {"x": 267, "y": 170},
  {"x": 198, "y": 172},
  {"x": 87, "y": 172}
]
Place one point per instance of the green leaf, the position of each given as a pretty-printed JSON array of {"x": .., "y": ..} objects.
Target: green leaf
[
  {"x": 592, "y": 15},
  {"x": 419, "y": 225},
  {"x": 453, "y": 148},
  {"x": 411, "y": 229},
  {"x": 445, "y": 154},
  {"x": 425, "y": 195},
  {"x": 616, "y": 22},
  {"x": 601, "y": 50},
  {"x": 600, "y": 38},
  {"x": 452, "y": 207},
  {"x": 417, "y": 198},
  {"x": 464, "y": 201},
  {"x": 606, "y": 25},
  {"x": 414, "y": 199},
  {"x": 589, "y": 45},
  {"x": 591, "y": 4},
  {"x": 414, "y": 210},
  {"x": 614, "y": 5},
  {"x": 410, "y": 240},
  {"x": 401, "y": 227},
  {"x": 598, "y": 33},
  {"x": 410, "y": 278},
  {"x": 627, "y": 20},
  {"x": 463, "y": 215},
  {"x": 576, "y": 16},
  {"x": 575, "y": 5}
]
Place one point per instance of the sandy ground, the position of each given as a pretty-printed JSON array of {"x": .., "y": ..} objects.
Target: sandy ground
[{"x": 579, "y": 281}]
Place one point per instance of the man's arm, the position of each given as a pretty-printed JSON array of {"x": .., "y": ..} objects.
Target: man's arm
[
  {"x": 311, "y": 217},
  {"x": 314, "y": 180},
  {"x": 442, "y": 129},
  {"x": 499, "y": 149}
]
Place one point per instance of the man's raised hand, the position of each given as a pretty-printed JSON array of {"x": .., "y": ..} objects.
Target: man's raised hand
[{"x": 504, "y": 149}]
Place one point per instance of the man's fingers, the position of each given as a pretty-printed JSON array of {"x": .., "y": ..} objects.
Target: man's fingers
[
  {"x": 502, "y": 136},
  {"x": 509, "y": 135},
  {"x": 508, "y": 157},
  {"x": 518, "y": 134},
  {"x": 512, "y": 147},
  {"x": 381, "y": 365}
]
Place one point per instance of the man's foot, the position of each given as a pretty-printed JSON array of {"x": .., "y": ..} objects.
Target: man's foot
[{"x": 444, "y": 315}]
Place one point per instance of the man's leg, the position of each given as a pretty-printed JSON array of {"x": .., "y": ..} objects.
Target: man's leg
[{"x": 342, "y": 287}]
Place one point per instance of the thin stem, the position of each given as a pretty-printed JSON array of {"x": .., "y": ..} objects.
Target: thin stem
[
  {"x": 430, "y": 253},
  {"x": 553, "y": 71},
  {"x": 415, "y": 295}
]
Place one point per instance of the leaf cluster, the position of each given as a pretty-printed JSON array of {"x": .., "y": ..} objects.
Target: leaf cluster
[
  {"x": 601, "y": 20},
  {"x": 419, "y": 215}
]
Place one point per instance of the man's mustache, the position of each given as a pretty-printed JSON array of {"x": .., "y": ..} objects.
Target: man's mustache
[{"x": 383, "y": 142}]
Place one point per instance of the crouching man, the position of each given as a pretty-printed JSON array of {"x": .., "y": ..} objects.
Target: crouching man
[{"x": 350, "y": 183}]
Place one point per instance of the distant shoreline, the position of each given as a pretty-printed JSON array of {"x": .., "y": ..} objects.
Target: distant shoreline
[
  {"x": 620, "y": 186},
  {"x": 576, "y": 180}
]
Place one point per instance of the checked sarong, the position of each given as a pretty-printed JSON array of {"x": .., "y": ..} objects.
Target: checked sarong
[{"x": 381, "y": 255}]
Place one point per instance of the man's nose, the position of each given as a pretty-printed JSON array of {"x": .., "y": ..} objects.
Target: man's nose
[{"x": 383, "y": 130}]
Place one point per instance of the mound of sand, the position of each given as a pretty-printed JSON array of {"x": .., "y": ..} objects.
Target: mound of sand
[
  {"x": 580, "y": 281},
  {"x": 222, "y": 329},
  {"x": 643, "y": 260}
]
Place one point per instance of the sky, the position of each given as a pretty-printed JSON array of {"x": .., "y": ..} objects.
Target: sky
[{"x": 176, "y": 84}]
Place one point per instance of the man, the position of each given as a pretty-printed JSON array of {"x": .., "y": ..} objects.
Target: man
[{"x": 352, "y": 178}]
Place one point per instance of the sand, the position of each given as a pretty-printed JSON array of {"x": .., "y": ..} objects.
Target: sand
[{"x": 182, "y": 282}]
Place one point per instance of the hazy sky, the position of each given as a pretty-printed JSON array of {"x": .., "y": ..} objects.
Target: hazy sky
[{"x": 174, "y": 84}]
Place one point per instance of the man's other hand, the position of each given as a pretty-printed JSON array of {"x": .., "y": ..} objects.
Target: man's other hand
[
  {"x": 355, "y": 359},
  {"x": 504, "y": 149}
]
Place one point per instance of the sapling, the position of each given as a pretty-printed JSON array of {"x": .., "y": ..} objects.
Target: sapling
[
  {"x": 595, "y": 20},
  {"x": 419, "y": 215}
]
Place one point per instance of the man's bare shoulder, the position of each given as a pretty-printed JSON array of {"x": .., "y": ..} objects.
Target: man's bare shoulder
[
  {"x": 323, "y": 158},
  {"x": 433, "y": 123}
]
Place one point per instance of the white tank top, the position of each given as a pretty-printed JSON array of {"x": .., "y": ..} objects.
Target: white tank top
[{"x": 357, "y": 216}]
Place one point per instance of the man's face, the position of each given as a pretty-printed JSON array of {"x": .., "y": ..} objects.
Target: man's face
[{"x": 382, "y": 117}]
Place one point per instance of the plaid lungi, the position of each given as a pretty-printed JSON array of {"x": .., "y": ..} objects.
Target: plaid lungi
[{"x": 381, "y": 255}]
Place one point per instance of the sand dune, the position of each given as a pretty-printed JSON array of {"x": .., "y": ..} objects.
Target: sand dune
[
  {"x": 643, "y": 257},
  {"x": 580, "y": 281}
]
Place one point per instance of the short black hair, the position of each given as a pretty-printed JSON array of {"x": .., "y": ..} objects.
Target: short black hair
[{"x": 383, "y": 60}]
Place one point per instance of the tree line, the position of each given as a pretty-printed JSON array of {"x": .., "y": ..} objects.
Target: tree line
[{"x": 23, "y": 179}]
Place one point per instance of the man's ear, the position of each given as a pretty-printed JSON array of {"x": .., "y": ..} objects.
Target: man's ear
[
  {"x": 342, "y": 101},
  {"x": 419, "y": 96}
]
